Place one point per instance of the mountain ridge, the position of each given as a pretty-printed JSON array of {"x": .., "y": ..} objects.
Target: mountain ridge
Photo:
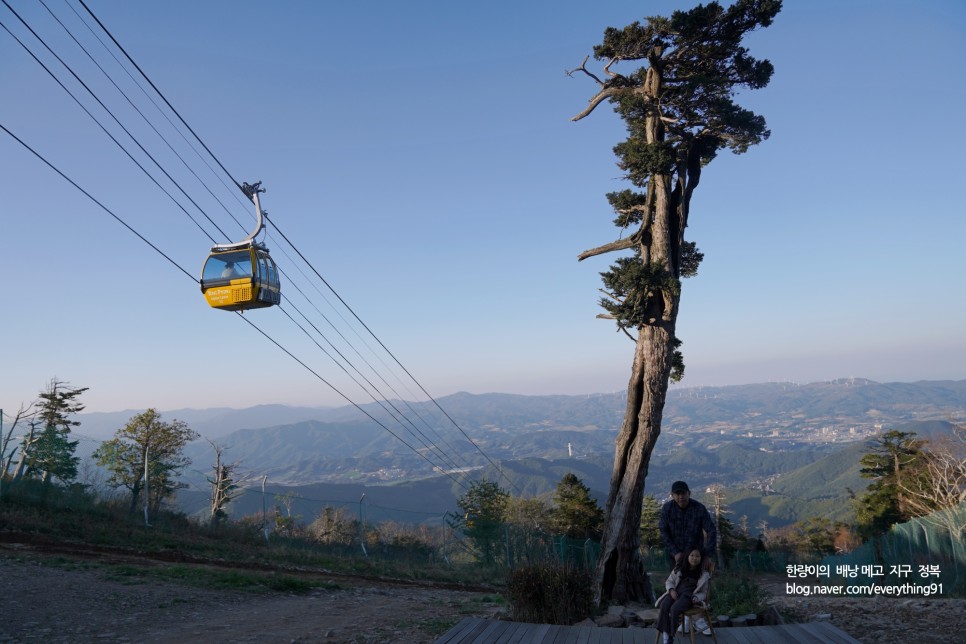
[
  {"x": 780, "y": 449},
  {"x": 684, "y": 404}
]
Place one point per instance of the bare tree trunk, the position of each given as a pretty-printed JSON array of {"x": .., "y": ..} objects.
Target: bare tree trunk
[
  {"x": 6, "y": 458},
  {"x": 25, "y": 448},
  {"x": 620, "y": 573},
  {"x": 156, "y": 500},
  {"x": 135, "y": 495},
  {"x": 216, "y": 489},
  {"x": 718, "y": 499}
]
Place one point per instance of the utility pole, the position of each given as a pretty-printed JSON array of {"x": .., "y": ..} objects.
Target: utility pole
[
  {"x": 3, "y": 453},
  {"x": 443, "y": 548},
  {"x": 264, "y": 509},
  {"x": 146, "y": 495},
  {"x": 362, "y": 526}
]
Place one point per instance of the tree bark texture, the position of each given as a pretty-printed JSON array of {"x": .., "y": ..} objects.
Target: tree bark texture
[
  {"x": 680, "y": 113},
  {"x": 620, "y": 574}
]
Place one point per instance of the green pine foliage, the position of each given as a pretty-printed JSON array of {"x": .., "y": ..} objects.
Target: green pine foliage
[
  {"x": 650, "y": 516},
  {"x": 50, "y": 454},
  {"x": 576, "y": 515},
  {"x": 484, "y": 509},
  {"x": 893, "y": 459},
  {"x": 631, "y": 285},
  {"x": 679, "y": 111}
]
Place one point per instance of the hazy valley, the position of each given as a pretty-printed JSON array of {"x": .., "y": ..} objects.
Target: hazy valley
[{"x": 783, "y": 451}]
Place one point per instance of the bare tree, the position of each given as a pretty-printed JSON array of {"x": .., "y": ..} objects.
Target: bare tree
[
  {"x": 720, "y": 510},
  {"x": 765, "y": 532},
  {"x": 288, "y": 524},
  {"x": 938, "y": 493},
  {"x": 226, "y": 485},
  {"x": 30, "y": 439},
  {"x": 8, "y": 447},
  {"x": 334, "y": 526}
]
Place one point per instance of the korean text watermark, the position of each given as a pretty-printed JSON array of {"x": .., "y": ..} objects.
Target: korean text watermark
[{"x": 903, "y": 580}]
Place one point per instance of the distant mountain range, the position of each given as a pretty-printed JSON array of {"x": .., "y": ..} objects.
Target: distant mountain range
[
  {"x": 852, "y": 400},
  {"x": 211, "y": 423},
  {"x": 783, "y": 451}
]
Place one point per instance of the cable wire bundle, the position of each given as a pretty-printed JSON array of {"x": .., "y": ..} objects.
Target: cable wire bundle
[{"x": 341, "y": 335}]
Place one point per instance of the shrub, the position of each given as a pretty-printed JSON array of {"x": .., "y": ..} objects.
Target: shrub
[
  {"x": 550, "y": 593},
  {"x": 736, "y": 594}
]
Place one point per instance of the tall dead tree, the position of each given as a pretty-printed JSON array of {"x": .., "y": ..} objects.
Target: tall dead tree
[
  {"x": 680, "y": 112},
  {"x": 7, "y": 446},
  {"x": 226, "y": 485}
]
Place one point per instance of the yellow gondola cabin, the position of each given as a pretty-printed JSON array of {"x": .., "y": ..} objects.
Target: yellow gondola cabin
[
  {"x": 242, "y": 276},
  {"x": 241, "y": 279}
]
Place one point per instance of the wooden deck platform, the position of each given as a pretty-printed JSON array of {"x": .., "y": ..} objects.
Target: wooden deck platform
[{"x": 472, "y": 630}]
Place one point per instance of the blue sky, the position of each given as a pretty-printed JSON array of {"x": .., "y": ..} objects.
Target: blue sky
[{"x": 421, "y": 156}]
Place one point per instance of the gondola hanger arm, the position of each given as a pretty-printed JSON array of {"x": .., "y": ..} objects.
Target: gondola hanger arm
[{"x": 251, "y": 191}]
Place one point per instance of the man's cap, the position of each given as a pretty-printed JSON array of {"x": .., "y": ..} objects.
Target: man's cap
[{"x": 679, "y": 486}]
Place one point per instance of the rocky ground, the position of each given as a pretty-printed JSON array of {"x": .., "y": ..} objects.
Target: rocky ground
[
  {"x": 71, "y": 601},
  {"x": 924, "y": 620},
  {"x": 868, "y": 619}
]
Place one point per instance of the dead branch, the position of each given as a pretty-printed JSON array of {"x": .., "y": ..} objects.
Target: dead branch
[
  {"x": 25, "y": 413},
  {"x": 936, "y": 496},
  {"x": 607, "y": 67},
  {"x": 608, "y": 316},
  {"x": 620, "y": 244},
  {"x": 610, "y": 296},
  {"x": 620, "y": 327},
  {"x": 607, "y": 88},
  {"x": 598, "y": 98},
  {"x": 583, "y": 68}
]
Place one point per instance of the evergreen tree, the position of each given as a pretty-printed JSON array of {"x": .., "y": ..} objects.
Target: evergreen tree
[
  {"x": 894, "y": 460},
  {"x": 483, "y": 510},
  {"x": 679, "y": 111},
  {"x": 50, "y": 454},
  {"x": 650, "y": 517},
  {"x": 816, "y": 535},
  {"x": 576, "y": 515},
  {"x": 729, "y": 541}
]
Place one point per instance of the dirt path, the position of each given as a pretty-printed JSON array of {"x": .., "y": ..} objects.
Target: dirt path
[
  {"x": 67, "y": 603},
  {"x": 76, "y": 601}
]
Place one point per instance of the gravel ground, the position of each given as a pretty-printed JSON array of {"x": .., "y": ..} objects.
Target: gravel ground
[
  {"x": 924, "y": 620},
  {"x": 75, "y": 600},
  {"x": 67, "y": 604}
]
